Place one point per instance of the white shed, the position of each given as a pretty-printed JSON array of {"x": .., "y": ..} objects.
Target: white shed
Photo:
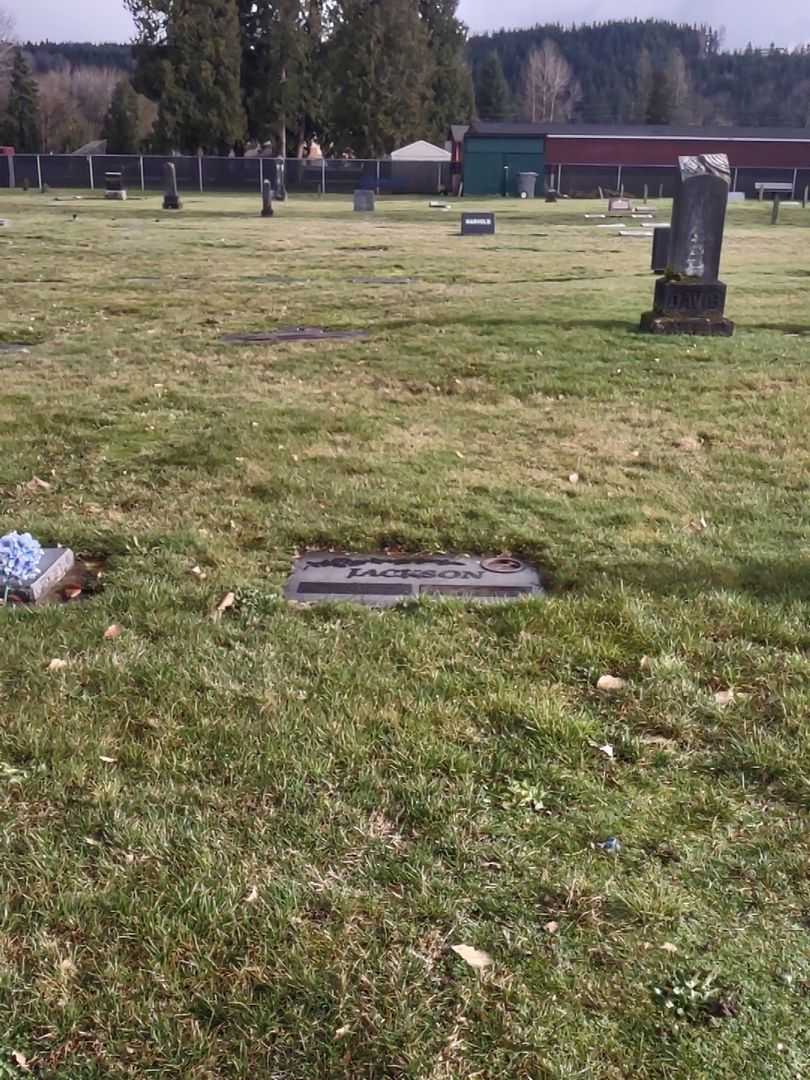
[{"x": 420, "y": 151}]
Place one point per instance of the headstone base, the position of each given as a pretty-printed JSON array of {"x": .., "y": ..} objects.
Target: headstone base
[
  {"x": 172, "y": 202},
  {"x": 267, "y": 211},
  {"x": 697, "y": 326},
  {"x": 116, "y": 196},
  {"x": 688, "y": 307}
]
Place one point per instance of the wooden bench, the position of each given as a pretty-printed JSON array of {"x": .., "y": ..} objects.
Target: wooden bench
[{"x": 774, "y": 188}]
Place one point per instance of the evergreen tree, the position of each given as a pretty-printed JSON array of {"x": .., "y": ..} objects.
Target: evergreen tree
[
  {"x": 122, "y": 120},
  {"x": 452, "y": 97},
  {"x": 492, "y": 96},
  {"x": 199, "y": 75},
  {"x": 382, "y": 71},
  {"x": 21, "y": 129},
  {"x": 284, "y": 76},
  {"x": 659, "y": 107}
]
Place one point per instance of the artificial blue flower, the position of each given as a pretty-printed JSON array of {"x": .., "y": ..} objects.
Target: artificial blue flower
[{"x": 20, "y": 556}]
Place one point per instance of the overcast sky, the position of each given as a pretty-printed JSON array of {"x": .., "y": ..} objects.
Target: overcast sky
[{"x": 787, "y": 23}]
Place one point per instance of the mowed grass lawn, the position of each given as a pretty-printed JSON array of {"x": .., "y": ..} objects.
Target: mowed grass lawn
[{"x": 245, "y": 847}]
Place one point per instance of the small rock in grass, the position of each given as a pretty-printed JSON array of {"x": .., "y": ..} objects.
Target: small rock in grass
[{"x": 724, "y": 697}]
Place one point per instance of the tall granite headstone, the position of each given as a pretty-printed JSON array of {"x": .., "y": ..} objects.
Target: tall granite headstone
[
  {"x": 690, "y": 298},
  {"x": 267, "y": 199},
  {"x": 280, "y": 186},
  {"x": 171, "y": 196}
]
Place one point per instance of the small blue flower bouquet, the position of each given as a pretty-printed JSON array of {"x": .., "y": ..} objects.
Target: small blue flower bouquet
[{"x": 20, "y": 556}]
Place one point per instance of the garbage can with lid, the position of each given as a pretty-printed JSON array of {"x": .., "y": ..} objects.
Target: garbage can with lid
[{"x": 527, "y": 182}]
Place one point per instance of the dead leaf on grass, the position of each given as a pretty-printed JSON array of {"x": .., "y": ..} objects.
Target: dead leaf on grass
[
  {"x": 669, "y": 947},
  {"x": 57, "y": 665},
  {"x": 646, "y": 663},
  {"x": 551, "y": 927},
  {"x": 36, "y": 484},
  {"x": 342, "y": 1032},
  {"x": 113, "y": 632},
  {"x": 108, "y": 760},
  {"x": 21, "y": 1061},
  {"x": 610, "y": 684},
  {"x": 252, "y": 896},
  {"x": 474, "y": 957},
  {"x": 724, "y": 697},
  {"x": 225, "y": 604}
]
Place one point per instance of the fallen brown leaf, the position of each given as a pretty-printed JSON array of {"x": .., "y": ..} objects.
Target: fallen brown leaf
[
  {"x": 57, "y": 665},
  {"x": 227, "y": 602},
  {"x": 113, "y": 632},
  {"x": 609, "y": 683},
  {"x": 551, "y": 927},
  {"x": 724, "y": 697},
  {"x": 21, "y": 1061},
  {"x": 474, "y": 957}
]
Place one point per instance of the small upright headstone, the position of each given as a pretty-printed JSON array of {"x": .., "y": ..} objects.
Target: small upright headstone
[
  {"x": 280, "y": 187},
  {"x": 364, "y": 201},
  {"x": 660, "y": 248},
  {"x": 480, "y": 223},
  {"x": 619, "y": 207},
  {"x": 114, "y": 186},
  {"x": 171, "y": 196},
  {"x": 690, "y": 298},
  {"x": 267, "y": 199}
]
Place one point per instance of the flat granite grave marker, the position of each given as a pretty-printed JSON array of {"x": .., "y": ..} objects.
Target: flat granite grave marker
[
  {"x": 381, "y": 580},
  {"x": 267, "y": 199},
  {"x": 294, "y": 333},
  {"x": 114, "y": 186},
  {"x": 478, "y": 223},
  {"x": 171, "y": 196},
  {"x": 690, "y": 298},
  {"x": 364, "y": 201}
]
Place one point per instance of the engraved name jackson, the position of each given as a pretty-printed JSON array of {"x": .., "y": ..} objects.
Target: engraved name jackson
[{"x": 406, "y": 570}]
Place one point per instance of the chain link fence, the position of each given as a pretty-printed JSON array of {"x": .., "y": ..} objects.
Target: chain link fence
[
  {"x": 339, "y": 176},
  {"x": 204, "y": 174}
]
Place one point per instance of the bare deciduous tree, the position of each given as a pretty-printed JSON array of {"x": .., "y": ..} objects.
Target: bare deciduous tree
[
  {"x": 6, "y": 52},
  {"x": 72, "y": 106},
  {"x": 550, "y": 90}
]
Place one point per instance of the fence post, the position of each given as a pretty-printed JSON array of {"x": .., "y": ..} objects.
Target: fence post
[
  {"x": 199, "y": 171},
  {"x": 261, "y": 172},
  {"x": 323, "y": 176},
  {"x": 795, "y": 182},
  {"x": 140, "y": 162},
  {"x": 559, "y": 179},
  {"x": 378, "y": 176},
  {"x": 12, "y": 179},
  {"x": 734, "y": 185},
  {"x": 39, "y": 172},
  {"x": 90, "y": 169},
  {"x": 619, "y": 184}
]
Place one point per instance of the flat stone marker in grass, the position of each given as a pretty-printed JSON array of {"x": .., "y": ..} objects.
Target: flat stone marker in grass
[
  {"x": 14, "y": 347},
  {"x": 171, "y": 196},
  {"x": 478, "y": 223},
  {"x": 382, "y": 580},
  {"x": 364, "y": 201},
  {"x": 54, "y": 566},
  {"x": 691, "y": 299},
  {"x": 294, "y": 333}
]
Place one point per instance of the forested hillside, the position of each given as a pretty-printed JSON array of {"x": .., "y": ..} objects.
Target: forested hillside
[{"x": 637, "y": 72}]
